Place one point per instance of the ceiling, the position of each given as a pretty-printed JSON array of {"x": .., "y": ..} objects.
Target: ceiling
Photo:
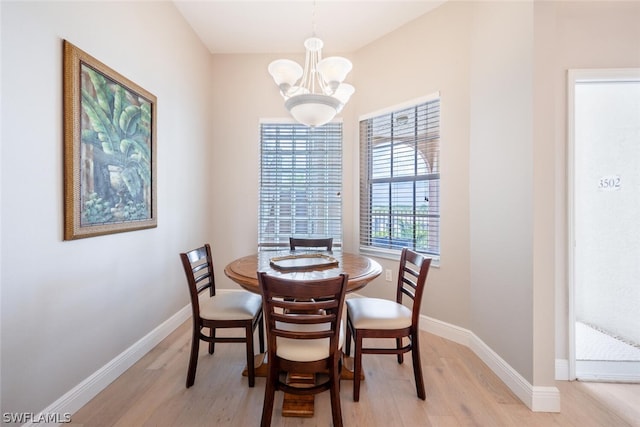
[{"x": 242, "y": 26}]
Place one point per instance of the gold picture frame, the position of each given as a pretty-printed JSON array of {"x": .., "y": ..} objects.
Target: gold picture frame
[{"x": 109, "y": 150}]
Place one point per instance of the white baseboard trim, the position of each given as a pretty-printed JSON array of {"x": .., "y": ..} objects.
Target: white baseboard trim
[
  {"x": 538, "y": 399},
  {"x": 608, "y": 371},
  {"x": 81, "y": 394},
  {"x": 445, "y": 330},
  {"x": 562, "y": 369},
  {"x": 545, "y": 399}
]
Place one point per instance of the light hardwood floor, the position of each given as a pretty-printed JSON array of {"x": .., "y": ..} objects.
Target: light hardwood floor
[{"x": 461, "y": 391}]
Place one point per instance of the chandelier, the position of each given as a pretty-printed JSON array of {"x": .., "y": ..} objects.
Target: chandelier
[{"x": 316, "y": 94}]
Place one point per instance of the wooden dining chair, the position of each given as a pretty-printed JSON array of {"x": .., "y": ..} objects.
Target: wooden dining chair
[
  {"x": 297, "y": 243},
  {"x": 381, "y": 318},
  {"x": 226, "y": 310},
  {"x": 304, "y": 336}
]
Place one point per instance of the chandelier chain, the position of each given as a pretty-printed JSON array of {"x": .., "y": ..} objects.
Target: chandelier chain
[{"x": 313, "y": 19}]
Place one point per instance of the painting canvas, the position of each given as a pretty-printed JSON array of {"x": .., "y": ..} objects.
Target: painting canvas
[{"x": 110, "y": 173}]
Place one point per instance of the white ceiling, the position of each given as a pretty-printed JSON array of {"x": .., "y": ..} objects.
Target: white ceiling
[{"x": 243, "y": 26}]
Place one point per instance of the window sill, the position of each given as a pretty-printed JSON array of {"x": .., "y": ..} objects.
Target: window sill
[{"x": 394, "y": 255}]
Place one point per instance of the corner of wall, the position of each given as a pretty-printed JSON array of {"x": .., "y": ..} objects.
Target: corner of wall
[{"x": 538, "y": 399}]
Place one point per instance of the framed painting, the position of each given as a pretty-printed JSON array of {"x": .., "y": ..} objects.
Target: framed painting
[{"x": 109, "y": 150}]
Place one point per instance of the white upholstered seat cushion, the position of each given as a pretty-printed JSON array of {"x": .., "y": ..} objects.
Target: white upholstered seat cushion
[
  {"x": 305, "y": 350},
  {"x": 230, "y": 306},
  {"x": 376, "y": 313}
]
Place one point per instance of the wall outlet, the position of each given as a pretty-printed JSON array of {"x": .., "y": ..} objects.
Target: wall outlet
[{"x": 388, "y": 276}]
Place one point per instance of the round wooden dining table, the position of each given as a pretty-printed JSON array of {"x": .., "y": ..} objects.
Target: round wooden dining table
[
  {"x": 244, "y": 271},
  {"x": 361, "y": 269}
]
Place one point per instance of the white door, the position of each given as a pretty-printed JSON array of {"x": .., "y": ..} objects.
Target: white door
[{"x": 604, "y": 155}]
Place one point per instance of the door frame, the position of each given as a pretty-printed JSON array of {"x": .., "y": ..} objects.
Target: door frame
[{"x": 574, "y": 76}]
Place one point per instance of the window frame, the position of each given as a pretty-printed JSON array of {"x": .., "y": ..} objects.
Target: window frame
[
  {"x": 365, "y": 231},
  {"x": 333, "y": 166}
]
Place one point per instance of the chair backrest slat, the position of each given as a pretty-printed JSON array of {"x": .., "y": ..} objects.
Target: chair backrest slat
[
  {"x": 197, "y": 268},
  {"x": 410, "y": 292},
  {"x": 197, "y": 254}
]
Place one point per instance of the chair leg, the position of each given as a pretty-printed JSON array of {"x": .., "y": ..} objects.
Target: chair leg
[
  {"x": 269, "y": 394},
  {"x": 251, "y": 370},
  {"x": 399, "y": 346},
  {"x": 212, "y": 344},
  {"x": 347, "y": 342},
  {"x": 417, "y": 366},
  {"x": 193, "y": 358},
  {"x": 357, "y": 366},
  {"x": 336, "y": 411},
  {"x": 261, "y": 333}
]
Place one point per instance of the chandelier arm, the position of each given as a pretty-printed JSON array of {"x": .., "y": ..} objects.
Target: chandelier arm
[
  {"x": 320, "y": 80},
  {"x": 312, "y": 71}
]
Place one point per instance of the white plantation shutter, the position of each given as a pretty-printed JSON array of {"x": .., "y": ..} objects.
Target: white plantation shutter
[
  {"x": 300, "y": 183},
  {"x": 400, "y": 180}
]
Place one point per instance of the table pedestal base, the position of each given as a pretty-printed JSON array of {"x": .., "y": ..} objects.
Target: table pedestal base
[
  {"x": 300, "y": 405},
  {"x": 295, "y": 405},
  {"x": 260, "y": 366}
]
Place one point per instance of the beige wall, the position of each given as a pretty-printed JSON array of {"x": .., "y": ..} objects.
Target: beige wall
[
  {"x": 501, "y": 180},
  {"x": 545, "y": 174},
  {"x": 68, "y": 308}
]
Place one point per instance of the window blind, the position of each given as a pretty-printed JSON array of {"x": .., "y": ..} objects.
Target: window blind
[
  {"x": 400, "y": 180},
  {"x": 300, "y": 183}
]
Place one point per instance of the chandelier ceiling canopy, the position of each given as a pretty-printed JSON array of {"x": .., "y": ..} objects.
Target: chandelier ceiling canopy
[{"x": 315, "y": 94}]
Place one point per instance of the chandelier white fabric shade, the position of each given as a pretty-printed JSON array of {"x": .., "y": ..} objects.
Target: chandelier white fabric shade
[{"x": 315, "y": 94}]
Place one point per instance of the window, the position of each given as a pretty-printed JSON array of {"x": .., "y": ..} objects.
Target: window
[
  {"x": 300, "y": 183},
  {"x": 400, "y": 179}
]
